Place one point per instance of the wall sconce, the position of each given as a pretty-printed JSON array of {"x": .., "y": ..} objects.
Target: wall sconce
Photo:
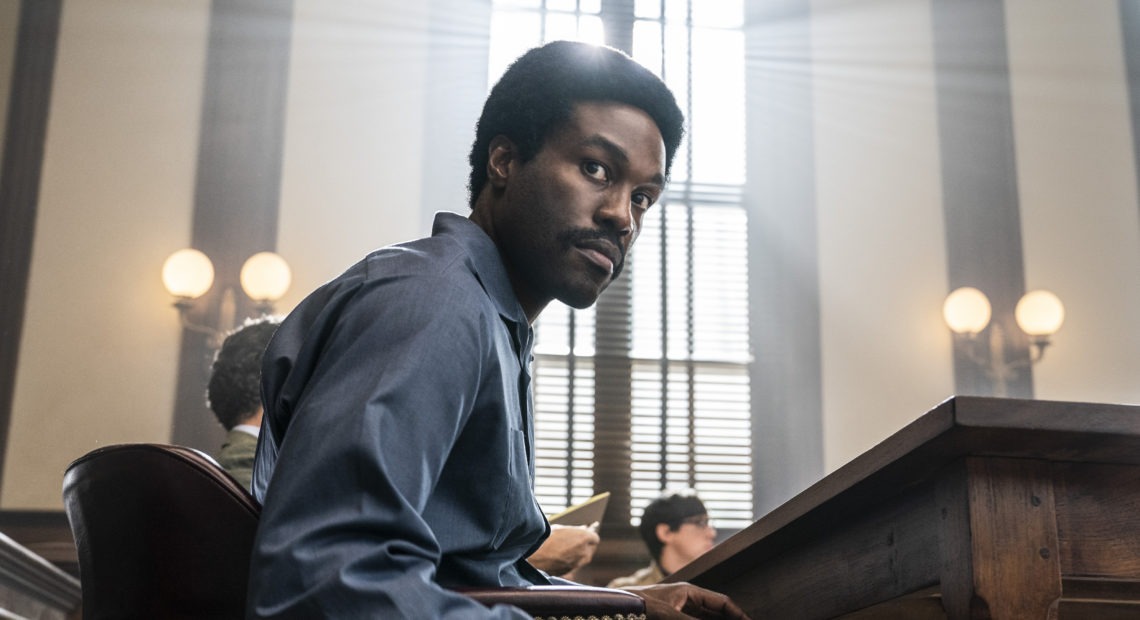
[
  {"x": 1038, "y": 313},
  {"x": 188, "y": 274}
]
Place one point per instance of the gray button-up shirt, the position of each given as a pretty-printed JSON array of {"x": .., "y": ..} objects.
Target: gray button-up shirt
[{"x": 395, "y": 458}]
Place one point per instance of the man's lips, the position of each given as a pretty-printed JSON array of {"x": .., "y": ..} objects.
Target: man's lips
[
  {"x": 601, "y": 260},
  {"x": 601, "y": 248}
]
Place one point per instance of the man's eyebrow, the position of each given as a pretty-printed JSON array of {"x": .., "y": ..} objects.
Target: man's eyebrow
[{"x": 618, "y": 153}]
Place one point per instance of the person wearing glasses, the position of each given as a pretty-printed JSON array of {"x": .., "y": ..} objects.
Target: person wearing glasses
[{"x": 676, "y": 529}]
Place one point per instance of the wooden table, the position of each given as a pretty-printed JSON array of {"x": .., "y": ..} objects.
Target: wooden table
[{"x": 980, "y": 508}]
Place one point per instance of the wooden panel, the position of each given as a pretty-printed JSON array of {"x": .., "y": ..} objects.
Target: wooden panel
[
  {"x": 847, "y": 561},
  {"x": 925, "y": 604},
  {"x": 960, "y": 426},
  {"x": 976, "y": 508},
  {"x": 1016, "y": 564},
  {"x": 1099, "y": 611},
  {"x": 1097, "y": 508},
  {"x": 954, "y": 548},
  {"x": 1099, "y": 590},
  {"x": 999, "y": 549}
]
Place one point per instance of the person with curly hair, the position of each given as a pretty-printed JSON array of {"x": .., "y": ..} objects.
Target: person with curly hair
[{"x": 234, "y": 394}]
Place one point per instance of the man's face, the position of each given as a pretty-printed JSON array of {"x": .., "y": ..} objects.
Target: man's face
[
  {"x": 568, "y": 216},
  {"x": 694, "y": 537}
]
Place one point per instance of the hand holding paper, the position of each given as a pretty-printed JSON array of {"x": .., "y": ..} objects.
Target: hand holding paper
[
  {"x": 573, "y": 538},
  {"x": 568, "y": 548}
]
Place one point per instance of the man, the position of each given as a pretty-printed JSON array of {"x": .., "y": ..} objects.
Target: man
[
  {"x": 676, "y": 530},
  {"x": 234, "y": 393},
  {"x": 396, "y": 460}
]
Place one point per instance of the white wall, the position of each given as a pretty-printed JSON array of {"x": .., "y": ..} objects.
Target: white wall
[
  {"x": 886, "y": 353},
  {"x": 99, "y": 351},
  {"x": 353, "y": 135},
  {"x": 1076, "y": 175},
  {"x": 99, "y": 356},
  {"x": 882, "y": 264}
]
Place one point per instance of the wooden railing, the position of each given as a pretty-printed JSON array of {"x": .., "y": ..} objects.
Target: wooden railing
[{"x": 32, "y": 587}]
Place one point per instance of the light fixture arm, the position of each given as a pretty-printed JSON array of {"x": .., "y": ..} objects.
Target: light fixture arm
[
  {"x": 995, "y": 365},
  {"x": 226, "y": 313},
  {"x": 184, "y": 306},
  {"x": 1038, "y": 346}
]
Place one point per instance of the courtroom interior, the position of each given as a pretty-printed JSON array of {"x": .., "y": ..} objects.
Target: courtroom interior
[{"x": 896, "y": 267}]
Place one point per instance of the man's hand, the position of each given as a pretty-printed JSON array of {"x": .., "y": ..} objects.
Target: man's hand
[
  {"x": 674, "y": 601},
  {"x": 568, "y": 548}
]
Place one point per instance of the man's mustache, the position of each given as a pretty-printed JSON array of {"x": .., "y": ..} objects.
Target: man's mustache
[{"x": 578, "y": 235}]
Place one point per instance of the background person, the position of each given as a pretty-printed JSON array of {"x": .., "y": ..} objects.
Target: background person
[
  {"x": 234, "y": 394},
  {"x": 676, "y": 530}
]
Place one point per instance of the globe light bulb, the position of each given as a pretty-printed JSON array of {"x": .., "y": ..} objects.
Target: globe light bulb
[
  {"x": 187, "y": 274},
  {"x": 966, "y": 310},
  {"x": 1039, "y": 313},
  {"x": 265, "y": 276}
]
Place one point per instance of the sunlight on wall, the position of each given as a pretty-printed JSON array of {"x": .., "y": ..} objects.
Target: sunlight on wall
[
  {"x": 1078, "y": 193},
  {"x": 99, "y": 351},
  {"x": 886, "y": 354},
  {"x": 353, "y": 136}
]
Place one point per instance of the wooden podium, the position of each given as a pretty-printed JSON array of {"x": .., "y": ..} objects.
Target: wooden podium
[{"x": 981, "y": 508}]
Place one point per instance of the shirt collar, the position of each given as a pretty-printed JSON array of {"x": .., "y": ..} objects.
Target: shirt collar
[
  {"x": 487, "y": 264},
  {"x": 248, "y": 429}
]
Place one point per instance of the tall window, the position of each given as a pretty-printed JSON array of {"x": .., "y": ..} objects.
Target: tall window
[{"x": 649, "y": 389}]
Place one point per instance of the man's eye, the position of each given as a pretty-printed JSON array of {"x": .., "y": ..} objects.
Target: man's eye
[
  {"x": 595, "y": 170},
  {"x": 642, "y": 201}
]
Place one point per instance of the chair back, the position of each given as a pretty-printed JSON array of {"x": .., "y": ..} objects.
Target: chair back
[
  {"x": 164, "y": 532},
  {"x": 161, "y": 532}
]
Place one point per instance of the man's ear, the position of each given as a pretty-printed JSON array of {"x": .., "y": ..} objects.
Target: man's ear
[
  {"x": 501, "y": 153},
  {"x": 664, "y": 534}
]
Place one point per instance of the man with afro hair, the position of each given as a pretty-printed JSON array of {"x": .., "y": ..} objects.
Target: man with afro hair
[{"x": 396, "y": 461}]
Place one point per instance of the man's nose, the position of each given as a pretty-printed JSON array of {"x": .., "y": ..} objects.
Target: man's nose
[{"x": 617, "y": 213}]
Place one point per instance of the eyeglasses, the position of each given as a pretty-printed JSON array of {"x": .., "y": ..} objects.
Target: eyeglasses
[{"x": 701, "y": 521}]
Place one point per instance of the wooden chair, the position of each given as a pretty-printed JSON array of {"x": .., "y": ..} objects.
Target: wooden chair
[{"x": 163, "y": 532}]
